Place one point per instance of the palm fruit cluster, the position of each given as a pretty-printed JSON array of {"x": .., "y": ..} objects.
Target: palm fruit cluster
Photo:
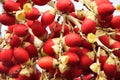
[{"x": 81, "y": 44}]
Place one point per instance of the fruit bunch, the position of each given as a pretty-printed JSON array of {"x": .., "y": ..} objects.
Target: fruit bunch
[{"x": 79, "y": 45}]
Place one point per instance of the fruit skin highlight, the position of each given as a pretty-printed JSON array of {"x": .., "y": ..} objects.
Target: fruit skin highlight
[
  {"x": 46, "y": 62},
  {"x": 17, "y": 55},
  {"x": 110, "y": 67},
  {"x": 65, "y": 6},
  {"x": 10, "y": 6},
  {"x": 88, "y": 26},
  {"x": 48, "y": 17},
  {"x": 6, "y": 55},
  {"x": 73, "y": 40},
  {"x": 72, "y": 58},
  {"x": 38, "y": 29},
  {"x": 47, "y": 48},
  {"x": 115, "y": 22},
  {"x": 20, "y": 30},
  {"x": 33, "y": 14},
  {"x": 7, "y": 19},
  {"x": 105, "y": 9}
]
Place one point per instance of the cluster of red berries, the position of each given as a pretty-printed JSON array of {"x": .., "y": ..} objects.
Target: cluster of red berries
[{"x": 85, "y": 46}]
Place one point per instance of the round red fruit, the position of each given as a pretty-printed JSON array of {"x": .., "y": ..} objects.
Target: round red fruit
[
  {"x": 33, "y": 14},
  {"x": 48, "y": 17},
  {"x": 14, "y": 71},
  {"x": 20, "y": 55},
  {"x": 73, "y": 40},
  {"x": 20, "y": 30},
  {"x": 65, "y": 6},
  {"x": 10, "y": 6},
  {"x": 7, "y": 19},
  {"x": 15, "y": 41},
  {"x": 105, "y": 9},
  {"x": 47, "y": 48},
  {"x": 46, "y": 62},
  {"x": 6, "y": 55},
  {"x": 88, "y": 26},
  {"x": 115, "y": 22},
  {"x": 38, "y": 29}
]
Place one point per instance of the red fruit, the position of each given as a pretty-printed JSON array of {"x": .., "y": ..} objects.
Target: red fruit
[
  {"x": 47, "y": 48},
  {"x": 65, "y": 6},
  {"x": 3, "y": 69},
  {"x": 53, "y": 25},
  {"x": 10, "y": 6},
  {"x": 21, "y": 2},
  {"x": 46, "y": 62},
  {"x": 115, "y": 22},
  {"x": 105, "y": 21},
  {"x": 15, "y": 78},
  {"x": 75, "y": 71},
  {"x": 115, "y": 44},
  {"x": 102, "y": 1},
  {"x": 71, "y": 8},
  {"x": 15, "y": 41},
  {"x": 48, "y": 17},
  {"x": 88, "y": 26},
  {"x": 73, "y": 58},
  {"x": 110, "y": 67},
  {"x": 105, "y": 9},
  {"x": 20, "y": 30},
  {"x": 54, "y": 71},
  {"x": 73, "y": 40},
  {"x": 67, "y": 75},
  {"x": 31, "y": 49},
  {"x": 117, "y": 36},
  {"x": 58, "y": 28},
  {"x": 105, "y": 18},
  {"x": 29, "y": 23},
  {"x": 10, "y": 28},
  {"x": 103, "y": 57},
  {"x": 84, "y": 51},
  {"x": 7, "y": 19},
  {"x": 86, "y": 60},
  {"x": 38, "y": 75},
  {"x": 6, "y": 55},
  {"x": 78, "y": 78},
  {"x": 40, "y": 2},
  {"x": 33, "y": 14},
  {"x": 86, "y": 44},
  {"x": 88, "y": 77},
  {"x": 104, "y": 24},
  {"x": 105, "y": 40},
  {"x": 117, "y": 74},
  {"x": 29, "y": 38},
  {"x": 73, "y": 49},
  {"x": 76, "y": 29},
  {"x": 38, "y": 29},
  {"x": 20, "y": 55},
  {"x": 14, "y": 71}
]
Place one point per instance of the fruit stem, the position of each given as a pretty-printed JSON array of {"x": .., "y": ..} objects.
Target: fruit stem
[
  {"x": 103, "y": 46},
  {"x": 90, "y": 5},
  {"x": 61, "y": 35},
  {"x": 44, "y": 76},
  {"x": 76, "y": 22},
  {"x": 97, "y": 61}
]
